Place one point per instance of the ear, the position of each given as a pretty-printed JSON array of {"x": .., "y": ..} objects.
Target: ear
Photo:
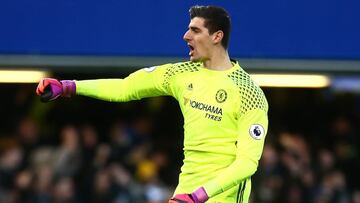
[{"x": 217, "y": 36}]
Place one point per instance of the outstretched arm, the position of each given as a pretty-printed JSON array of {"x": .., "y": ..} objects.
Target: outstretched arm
[{"x": 143, "y": 83}]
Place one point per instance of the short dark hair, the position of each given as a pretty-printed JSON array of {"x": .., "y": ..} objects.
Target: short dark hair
[{"x": 216, "y": 18}]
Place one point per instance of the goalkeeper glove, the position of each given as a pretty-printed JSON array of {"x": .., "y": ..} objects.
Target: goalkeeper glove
[
  {"x": 50, "y": 89},
  {"x": 198, "y": 196}
]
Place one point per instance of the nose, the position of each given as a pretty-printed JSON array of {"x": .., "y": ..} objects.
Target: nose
[{"x": 186, "y": 36}]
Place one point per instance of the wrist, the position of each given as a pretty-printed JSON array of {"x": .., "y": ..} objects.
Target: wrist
[
  {"x": 200, "y": 195},
  {"x": 69, "y": 88}
]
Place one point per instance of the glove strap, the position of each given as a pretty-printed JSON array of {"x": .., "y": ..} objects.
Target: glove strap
[
  {"x": 69, "y": 88},
  {"x": 199, "y": 195}
]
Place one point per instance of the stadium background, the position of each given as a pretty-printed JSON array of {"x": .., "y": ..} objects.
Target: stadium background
[{"x": 85, "y": 150}]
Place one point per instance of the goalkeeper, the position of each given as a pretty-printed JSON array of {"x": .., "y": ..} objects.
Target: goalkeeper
[{"x": 225, "y": 112}]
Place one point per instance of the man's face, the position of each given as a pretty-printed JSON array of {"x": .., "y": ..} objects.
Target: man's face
[{"x": 198, "y": 39}]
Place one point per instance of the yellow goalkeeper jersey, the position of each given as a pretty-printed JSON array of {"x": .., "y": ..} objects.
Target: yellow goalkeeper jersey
[{"x": 225, "y": 121}]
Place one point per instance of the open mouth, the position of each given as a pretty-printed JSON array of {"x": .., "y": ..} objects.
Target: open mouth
[{"x": 191, "y": 49}]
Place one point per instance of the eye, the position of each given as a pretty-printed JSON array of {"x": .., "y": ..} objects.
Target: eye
[{"x": 195, "y": 29}]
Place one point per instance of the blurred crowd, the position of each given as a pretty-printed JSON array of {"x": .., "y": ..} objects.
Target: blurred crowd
[
  {"x": 79, "y": 168},
  {"x": 133, "y": 159},
  {"x": 321, "y": 169}
]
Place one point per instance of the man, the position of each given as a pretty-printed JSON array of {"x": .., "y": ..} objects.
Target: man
[{"x": 225, "y": 112}]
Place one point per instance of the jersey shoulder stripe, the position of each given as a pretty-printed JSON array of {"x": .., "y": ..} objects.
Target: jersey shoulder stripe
[
  {"x": 179, "y": 68},
  {"x": 252, "y": 96}
]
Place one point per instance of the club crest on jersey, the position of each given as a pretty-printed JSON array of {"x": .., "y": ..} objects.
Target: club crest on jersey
[
  {"x": 150, "y": 69},
  {"x": 257, "y": 131},
  {"x": 221, "y": 96}
]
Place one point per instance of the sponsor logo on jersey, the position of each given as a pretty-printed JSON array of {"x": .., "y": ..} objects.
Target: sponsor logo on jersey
[
  {"x": 210, "y": 112},
  {"x": 221, "y": 96},
  {"x": 206, "y": 107},
  {"x": 257, "y": 131},
  {"x": 150, "y": 69}
]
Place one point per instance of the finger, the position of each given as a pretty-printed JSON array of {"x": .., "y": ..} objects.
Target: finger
[
  {"x": 42, "y": 85},
  {"x": 174, "y": 200},
  {"x": 39, "y": 89},
  {"x": 46, "y": 95}
]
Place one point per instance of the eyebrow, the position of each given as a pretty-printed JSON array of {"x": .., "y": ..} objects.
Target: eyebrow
[{"x": 194, "y": 28}]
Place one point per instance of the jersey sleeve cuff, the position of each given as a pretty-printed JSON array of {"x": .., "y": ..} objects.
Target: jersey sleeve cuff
[{"x": 212, "y": 188}]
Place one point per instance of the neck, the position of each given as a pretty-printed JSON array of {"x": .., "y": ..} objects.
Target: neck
[{"x": 219, "y": 60}]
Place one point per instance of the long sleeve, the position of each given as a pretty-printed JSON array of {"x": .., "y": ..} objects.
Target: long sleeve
[
  {"x": 252, "y": 130},
  {"x": 143, "y": 83}
]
